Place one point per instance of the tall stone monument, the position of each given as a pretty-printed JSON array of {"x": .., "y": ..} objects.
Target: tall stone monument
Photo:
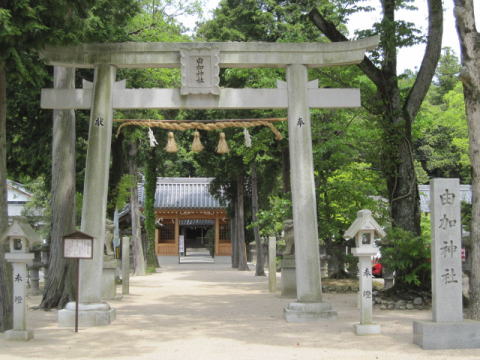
[{"x": 447, "y": 330}]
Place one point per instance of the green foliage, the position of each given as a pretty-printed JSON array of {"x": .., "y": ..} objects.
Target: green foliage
[
  {"x": 123, "y": 193},
  {"x": 38, "y": 210},
  {"x": 270, "y": 222},
  {"x": 446, "y": 76},
  {"x": 466, "y": 210},
  {"x": 441, "y": 137},
  {"x": 78, "y": 208},
  {"x": 244, "y": 20},
  {"x": 409, "y": 257}
]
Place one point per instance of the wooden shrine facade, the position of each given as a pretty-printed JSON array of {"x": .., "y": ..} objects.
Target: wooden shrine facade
[
  {"x": 182, "y": 203},
  {"x": 167, "y": 236}
]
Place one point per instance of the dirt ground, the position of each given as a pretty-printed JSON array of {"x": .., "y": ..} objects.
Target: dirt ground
[{"x": 194, "y": 311}]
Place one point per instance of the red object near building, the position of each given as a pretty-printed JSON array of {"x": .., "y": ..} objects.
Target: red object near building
[{"x": 377, "y": 269}]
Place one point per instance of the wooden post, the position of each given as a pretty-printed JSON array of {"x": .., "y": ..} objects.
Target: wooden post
[
  {"x": 125, "y": 265},
  {"x": 217, "y": 234},
  {"x": 157, "y": 241},
  {"x": 177, "y": 236},
  {"x": 78, "y": 295},
  {"x": 272, "y": 264}
]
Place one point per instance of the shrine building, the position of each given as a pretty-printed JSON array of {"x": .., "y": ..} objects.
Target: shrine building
[{"x": 190, "y": 222}]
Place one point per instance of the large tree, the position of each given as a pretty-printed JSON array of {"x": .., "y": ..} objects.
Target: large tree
[
  {"x": 59, "y": 282},
  {"x": 5, "y": 284},
  {"x": 470, "y": 77},
  {"x": 395, "y": 107},
  {"x": 26, "y": 27}
]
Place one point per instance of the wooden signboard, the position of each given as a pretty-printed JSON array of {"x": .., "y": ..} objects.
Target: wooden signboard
[
  {"x": 77, "y": 245},
  {"x": 77, "y": 248}
]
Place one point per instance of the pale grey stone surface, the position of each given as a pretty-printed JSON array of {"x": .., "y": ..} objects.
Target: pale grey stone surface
[
  {"x": 96, "y": 182},
  {"x": 19, "y": 262},
  {"x": 288, "y": 277},
  {"x": 200, "y": 70},
  {"x": 365, "y": 285},
  {"x": 232, "y": 54},
  {"x": 447, "y": 330},
  {"x": 305, "y": 312},
  {"x": 97, "y": 314},
  {"x": 172, "y": 99},
  {"x": 125, "y": 265},
  {"x": 303, "y": 187},
  {"x": 109, "y": 287},
  {"x": 367, "y": 329},
  {"x": 272, "y": 263},
  {"x": 19, "y": 335},
  {"x": 309, "y": 289},
  {"x": 431, "y": 335},
  {"x": 446, "y": 247}
]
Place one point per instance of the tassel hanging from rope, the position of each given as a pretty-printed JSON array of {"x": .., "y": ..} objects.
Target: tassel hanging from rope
[
  {"x": 197, "y": 143},
  {"x": 151, "y": 138},
  {"x": 171, "y": 146},
  {"x": 222, "y": 147}
]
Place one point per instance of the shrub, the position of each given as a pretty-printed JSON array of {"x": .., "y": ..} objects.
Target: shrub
[{"x": 409, "y": 256}]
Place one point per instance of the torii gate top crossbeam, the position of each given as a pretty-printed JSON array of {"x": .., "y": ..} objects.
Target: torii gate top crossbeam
[{"x": 231, "y": 54}]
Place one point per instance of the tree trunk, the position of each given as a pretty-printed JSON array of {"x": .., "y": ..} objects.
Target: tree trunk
[
  {"x": 399, "y": 170},
  {"x": 149, "y": 206},
  {"x": 470, "y": 77},
  {"x": 286, "y": 170},
  {"x": 242, "y": 249},
  {"x": 117, "y": 169},
  {"x": 137, "y": 248},
  {"x": 233, "y": 232},
  {"x": 397, "y": 114},
  {"x": 259, "y": 267},
  {"x": 5, "y": 279},
  {"x": 59, "y": 288}
]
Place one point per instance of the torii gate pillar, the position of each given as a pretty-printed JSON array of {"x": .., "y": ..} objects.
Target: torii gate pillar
[
  {"x": 92, "y": 311},
  {"x": 309, "y": 305}
]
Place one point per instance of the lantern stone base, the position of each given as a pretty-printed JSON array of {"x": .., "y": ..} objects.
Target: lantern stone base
[
  {"x": 109, "y": 287},
  {"x": 289, "y": 280},
  {"x": 19, "y": 335},
  {"x": 306, "y": 312},
  {"x": 367, "y": 329},
  {"x": 88, "y": 315},
  {"x": 431, "y": 335}
]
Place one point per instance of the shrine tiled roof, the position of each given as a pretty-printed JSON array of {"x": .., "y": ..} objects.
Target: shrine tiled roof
[{"x": 183, "y": 193}]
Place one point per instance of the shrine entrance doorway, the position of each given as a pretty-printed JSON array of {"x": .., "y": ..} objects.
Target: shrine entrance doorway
[{"x": 199, "y": 240}]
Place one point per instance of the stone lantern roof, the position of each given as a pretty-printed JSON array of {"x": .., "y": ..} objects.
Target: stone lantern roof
[
  {"x": 22, "y": 229},
  {"x": 364, "y": 222}
]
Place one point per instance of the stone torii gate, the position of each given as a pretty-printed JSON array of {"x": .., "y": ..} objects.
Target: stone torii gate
[{"x": 200, "y": 64}]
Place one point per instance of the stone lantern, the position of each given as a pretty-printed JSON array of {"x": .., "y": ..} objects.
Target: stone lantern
[
  {"x": 20, "y": 236},
  {"x": 365, "y": 230}
]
